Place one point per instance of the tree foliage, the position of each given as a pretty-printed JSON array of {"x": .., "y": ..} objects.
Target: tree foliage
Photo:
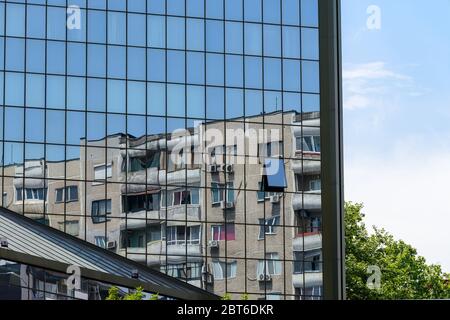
[
  {"x": 138, "y": 294},
  {"x": 404, "y": 274}
]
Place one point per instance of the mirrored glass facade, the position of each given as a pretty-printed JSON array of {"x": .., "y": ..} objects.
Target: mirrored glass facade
[{"x": 182, "y": 134}]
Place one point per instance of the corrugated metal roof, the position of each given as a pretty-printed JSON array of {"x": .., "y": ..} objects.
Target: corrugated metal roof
[{"x": 27, "y": 236}]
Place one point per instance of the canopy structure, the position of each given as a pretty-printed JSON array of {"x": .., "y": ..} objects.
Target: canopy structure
[{"x": 30, "y": 242}]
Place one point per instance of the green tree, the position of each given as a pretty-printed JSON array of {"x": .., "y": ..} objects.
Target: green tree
[{"x": 404, "y": 274}]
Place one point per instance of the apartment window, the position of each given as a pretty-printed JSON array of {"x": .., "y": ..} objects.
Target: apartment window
[
  {"x": 187, "y": 271},
  {"x": 222, "y": 270},
  {"x": 180, "y": 197},
  {"x": 69, "y": 194},
  {"x": 136, "y": 203},
  {"x": 179, "y": 235},
  {"x": 102, "y": 172},
  {"x": 308, "y": 144},
  {"x": 223, "y": 233},
  {"x": 100, "y": 210},
  {"x": 268, "y": 226},
  {"x": 221, "y": 192},
  {"x": 31, "y": 194},
  {"x": 100, "y": 241},
  {"x": 307, "y": 261},
  {"x": 271, "y": 265},
  {"x": 70, "y": 227}
]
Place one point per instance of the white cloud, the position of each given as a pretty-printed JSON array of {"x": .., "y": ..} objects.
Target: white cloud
[
  {"x": 406, "y": 192},
  {"x": 374, "y": 85}
]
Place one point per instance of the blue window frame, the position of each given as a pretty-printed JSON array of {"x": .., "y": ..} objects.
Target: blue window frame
[
  {"x": 291, "y": 12},
  {"x": 214, "y": 9},
  {"x": 291, "y": 42},
  {"x": 56, "y": 23},
  {"x": 156, "y": 31},
  {"x": 116, "y": 28},
  {"x": 252, "y": 10},
  {"x": 156, "y": 6},
  {"x": 233, "y": 37},
  {"x": 136, "y": 92},
  {"x": 116, "y": 96},
  {"x": 36, "y": 21},
  {"x": 175, "y": 33},
  {"x": 195, "y": 8},
  {"x": 253, "y": 38},
  {"x": 56, "y": 57},
  {"x": 214, "y": 69},
  {"x": 96, "y": 26},
  {"x": 96, "y": 60},
  {"x": 15, "y": 24},
  {"x": 156, "y": 61},
  {"x": 234, "y": 71},
  {"x": 35, "y": 94},
  {"x": 272, "y": 12},
  {"x": 176, "y": 66},
  {"x": 272, "y": 40},
  {"x": 136, "y": 63},
  {"x": 196, "y": 67},
  {"x": 195, "y": 34},
  {"x": 116, "y": 62},
  {"x": 15, "y": 54},
  {"x": 136, "y": 36},
  {"x": 76, "y": 59},
  {"x": 233, "y": 9},
  {"x": 36, "y": 61},
  {"x": 214, "y": 36}
]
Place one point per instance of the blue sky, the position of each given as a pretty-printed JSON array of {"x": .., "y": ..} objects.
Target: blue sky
[{"x": 397, "y": 116}]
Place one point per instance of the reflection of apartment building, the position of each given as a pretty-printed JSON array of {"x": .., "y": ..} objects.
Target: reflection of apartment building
[{"x": 155, "y": 200}]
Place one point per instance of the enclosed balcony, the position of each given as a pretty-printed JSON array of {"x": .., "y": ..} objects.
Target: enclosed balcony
[
  {"x": 307, "y": 279},
  {"x": 308, "y": 242},
  {"x": 307, "y": 201}
]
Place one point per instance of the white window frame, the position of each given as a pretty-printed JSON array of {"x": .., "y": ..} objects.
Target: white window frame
[
  {"x": 176, "y": 241},
  {"x": 315, "y": 181},
  {"x": 106, "y": 172},
  {"x": 263, "y": 266},
  {"x": 224, "y": 192},
  {"x": 220, "y": 270},
  {"x": 313, "y": 143}
]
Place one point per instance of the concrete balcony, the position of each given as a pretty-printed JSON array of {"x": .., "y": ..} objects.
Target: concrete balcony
[
  {"x": 308, "y": 242},
  {"x": 306, "y": 166},
  {"x": 307, "y": 279},
  {"x": 138, "y": 179},
  {"x": 156, "y": 253},
  {"x": 307, "y": 201},
  {"x": 138, "y": 220},
  {"x": 191, "y": 213},
  {"x": 180, "y": 177}
]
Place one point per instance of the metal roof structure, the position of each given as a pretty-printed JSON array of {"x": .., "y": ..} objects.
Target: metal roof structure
[{"x": 33, "y": 243}]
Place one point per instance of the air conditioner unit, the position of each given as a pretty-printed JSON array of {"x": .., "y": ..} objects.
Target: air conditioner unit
[
  {"x": 213, "y": 243},
  {"x": 264, "y": 277},
  {"x": 229, "y": 168},
  {"x": 275, "y": 198},
  {"x": 226, "y": 205},
  {"x": 111, "y": 245},
  {"x": 221, "y": 167},
  {"x": 212, "y": 168}
]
